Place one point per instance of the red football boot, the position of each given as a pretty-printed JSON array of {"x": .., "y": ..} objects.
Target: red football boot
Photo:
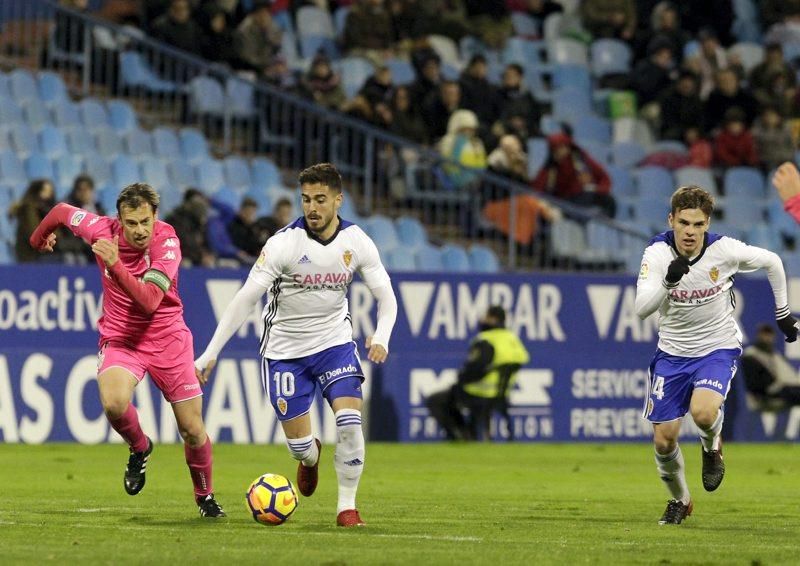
[
  {"x": 349, "y": 518},
  {"x": 307, "y": 476}
]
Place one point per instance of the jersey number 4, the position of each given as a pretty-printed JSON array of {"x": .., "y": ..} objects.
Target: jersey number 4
[
  {"x": 658, "y": 388},
  {"x": 284, "y": 383}
]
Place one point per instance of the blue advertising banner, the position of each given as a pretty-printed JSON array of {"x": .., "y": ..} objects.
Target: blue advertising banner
[{"x": 586, "y": 380}]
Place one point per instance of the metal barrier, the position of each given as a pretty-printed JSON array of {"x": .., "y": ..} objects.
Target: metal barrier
[{"x": 383, "y": 174}]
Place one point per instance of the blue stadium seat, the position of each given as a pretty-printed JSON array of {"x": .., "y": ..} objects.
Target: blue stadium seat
[
  {"x": 744, "y": 182},
  {"x": 154, "y": 172},
  {"x": 135, "y": 74},
  {"x": 52, "y": 142},
  {"x": 38, "y": 166},
  {"x": 741, "y": 212},
  {"x": 138, "y": 143},
  {"x": 627, "y": 154},
  {"x": 67, "y": 167},
  {"x": 262, "y": 198},
  {"x": 399, "y": 259},
  {"x": 23, "y": 140},
  {"x": 621, "y": 182},
  {"x": 429, "y": 259},
  {"x": 524, "y": 25},
  {"x": 165, "y": 142},
  {"x": 354, "y": 72},
  {"x": 592, "y": 128},
  {"x": 98, "y": 167},
  {"x": 35, "y": 114},
  {"x": 6, "y": 257},
  {"x": 411, "y": 232},
  {"x": 310, "y": 45},
  {"x": 93, "y": 114},
  {"x": 228, "y": 196},
  {"x": 568, "y": 51},
  {"x": 610, "y": 56},
  {"x": 125, "y": 171},
  {"x": 382, "y": 231},
  {"x": 674, "y": 146},
  {"x": 597, "y": 149},
  {"x": 108, "y": 199},
  {"x": 10, "y": 111},
  {"x": 79, "y": 141},
  {"x": 550, "y": 124},
  {"x": 22, "y": 85},
  {"x": 210, "y": 175},
  {"x": 314, "y": 21},
  {"x": 537, "y": 155},
  {"x": 66, "y": 114},
  {"x": 11, "y": 169},
  {"x": 455, "y": 258},
  {"x": 264, "y": 173},
  {"x": 339, "y": 19},
  {"x": 570, "y": 103},
  {"x": 791, "y": 262},
  {"x": 240, "y": 98},
  {"x": 237, "y": 173},
  {"x": 483, "y": 259},
  {"x": 5, "y": 87},
  {"x": 733, "y": 230},
  {"x": 651, "y": 212},
  {"x": 181, "y": 173},
  {"x": 572, "y": 76},
  {"x": 529, "y": 54},
  {"x": 194, "y": 145},
  {"x": 171, "y": 198},
  {"x": 290, "y": 52},
  {"x": 765, "y": 236},
  {"x": 206, "y": 96},
  {"x": 108, "y": 142},
  {"x": 348, "y": 210},
  {"x": 52, "y": 89},
  {"x": 654, "y": 182},
  {"x": 402, "y": 71},
  {"x": 122, "y": 116},
  {"x": 699, "y": 176}
]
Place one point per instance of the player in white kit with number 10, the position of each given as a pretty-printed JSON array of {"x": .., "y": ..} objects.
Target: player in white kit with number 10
[
  {"x": 687, "y": 277},
  {"x": 307, "y": 341}
]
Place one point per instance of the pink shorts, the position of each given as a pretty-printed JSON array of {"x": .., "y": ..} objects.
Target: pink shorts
[{"x": 170, "y": 362}]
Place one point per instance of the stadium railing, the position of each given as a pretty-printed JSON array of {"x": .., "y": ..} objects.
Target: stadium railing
[{"x": 383, "y": 173}]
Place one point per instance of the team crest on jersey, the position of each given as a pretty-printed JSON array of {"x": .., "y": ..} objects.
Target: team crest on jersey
[
  {"x": 714, "y": 274},
  {"x": 283, "y": 406},
  {"x": 77, "y": 218},
  {"x": 644, "y": 271},
  {"x": 347, "y": 257}
]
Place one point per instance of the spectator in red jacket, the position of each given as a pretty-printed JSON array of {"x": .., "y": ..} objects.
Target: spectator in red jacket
[
  {"x": 570, "y": 174},
  {"x": 734, "y": 145}
]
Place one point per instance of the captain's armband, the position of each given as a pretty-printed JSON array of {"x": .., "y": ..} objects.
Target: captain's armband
[{"x": 158, "y": 278}]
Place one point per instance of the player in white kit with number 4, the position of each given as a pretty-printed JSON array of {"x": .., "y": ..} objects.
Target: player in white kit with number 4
[
  {"x": 687, "y": 277},
  {"x": 307, "y": 341}
]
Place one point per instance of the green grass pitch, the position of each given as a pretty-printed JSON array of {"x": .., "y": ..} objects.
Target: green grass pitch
[{"x": 424, "y": 504}]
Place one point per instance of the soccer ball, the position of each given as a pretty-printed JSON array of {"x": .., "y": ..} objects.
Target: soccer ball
[{"x": 271, "y": 499}]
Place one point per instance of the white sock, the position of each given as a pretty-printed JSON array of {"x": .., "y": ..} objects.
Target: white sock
[
  {"x": 710, "y": 437},
  {"x": 349, "y": 457},
  {"x": 303, "y": 449},
  {"x": 671, "y": 469}
]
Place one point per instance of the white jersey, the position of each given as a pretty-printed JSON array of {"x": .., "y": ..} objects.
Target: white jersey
[
  {"x": 307, "y": 280},
  {"x": 696, "y": 316}
]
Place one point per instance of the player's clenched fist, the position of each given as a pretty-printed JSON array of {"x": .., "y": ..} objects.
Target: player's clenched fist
[
  {"x": 203, "y": 369},
  {"x": 789, "y": 326},
  {"x": 107, "y": 250},
  {"x": 677, "y": 269},
  {"x": 377, "y": 353},
  {"x": 787, "y": 181}
]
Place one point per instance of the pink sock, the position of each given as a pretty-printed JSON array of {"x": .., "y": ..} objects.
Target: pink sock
[
  {"x": 199, "y": 461},
  {"x": 128, "y": 428}
]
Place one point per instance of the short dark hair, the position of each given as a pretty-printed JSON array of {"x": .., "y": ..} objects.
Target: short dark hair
[
  {"x": 283, "y": 201},
  {"x": 135, "y": 195},
  {"x": 498, "y": 313},
  {"x": 692, "y": 196},
  {"x": 322, "y": 173},
  {"x": 248, "y": 202},
  {"x": 516, "y": 67},
  {"x": 82, "y": 179}
]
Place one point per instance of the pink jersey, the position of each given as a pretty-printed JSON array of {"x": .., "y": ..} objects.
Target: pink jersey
[{"x": 121, "y": 318}]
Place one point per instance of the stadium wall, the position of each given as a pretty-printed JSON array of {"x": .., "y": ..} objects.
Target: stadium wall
[{"x": 586, "y": 381}]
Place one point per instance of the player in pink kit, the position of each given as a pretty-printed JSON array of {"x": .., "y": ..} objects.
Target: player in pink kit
[{"x": 141, "y": 329}]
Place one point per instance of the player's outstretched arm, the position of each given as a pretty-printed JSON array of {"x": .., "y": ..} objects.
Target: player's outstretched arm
[
  {"x": 43, "y": 237},
  {"x": 378, "y": 344},
  {"x": 241, "y": 306}
]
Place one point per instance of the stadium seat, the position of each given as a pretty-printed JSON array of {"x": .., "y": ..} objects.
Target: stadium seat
[
  {"x": 654, "y": 183},
  {"x": 79, "y": 141},
  {"x": 237, "y": 173},
  {"x": 35, "y": 114},
  {"x": 290, "y": 52},
  {"x": 537, "y": 154},
  {"x": 699, "y": 176},
  {"x": 530, "y": 54},
  {"x": 411, "y": 232},
  {"x": 171, "y": 198},
  {"x": 108, "y": 142},
  {"x": 122, "y": 116},
  {"x": 263, "y": 201},
  {"x": 402, "y": 71},
  {"x": 447, "y": 49},
  {"x": 569, "y": 103},
  {"x": 568, "y": 51},
  {"x": 66, "y": 114},
  {"x": 165, "y": 142},
  {"x": 750, "y": 54},
  {"x": 572, "y": 76},
  {"x": 181, "y": 173},
  {"x": 742, "y": 213},
  {"x": 483, "y": 259},
  {"x": 429, "y": 259},
  {"x": 264, "y": 173},
  {"x": 135, "y": 74},
  {"x": 552, "y": 27},
  {"x": 743, "y": 182},
  {"x": 382, "y": 231},
  {"x": 210, "y": 175},
  {"x": 206, "y": 96},
  {"x": 651, "y": 213},
  {"x": 67, "y": 167},
  {"x": 107, "y": 196},
  {"x": 10, "y": 111},
  {"x": 138, "y": 143},
  {"x": 194, "y": 145},
  {"x": 399, "y": 259},
  {"x": 597, "y": 149},
  {"x": 610, "y": 56},
  {"x": 455, "y": 258},
  {"x": 11, "y": 169},
  {"x": 38, "y": 166},
  {"x": 733, "y": 230},
  {"x": 310, "y": 45},
  {"x": 227, "y": 196},
  {"x": 765, "y": 236},
  {"x": 125, "y": 171},
  {"x": 5, "y": 88},
  {"x": 98, "y": 167},
  {"x": 52, "y": 142},
  {"x": 633, "y": 130},
  {"x": 52, "y": 89},
  {"x": 312, "y": 20},
  {"x": 621, "y": 182},
  {"x": 154, "y": 172},
  {"x": 354, "y": 72},
  {"x": 93, "y": 114},
  {"x": 23, "y": 140},
  {"x": 627, "y": 154},
  {"x": 240, "y": 98},
  {"x": 23, "y": 85},
  {"x": 589, "y": 127},
  {"x": 524, "y": 25},
  {"x": 674, "y": 146},
  {"x": 549, "y": 124}
]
